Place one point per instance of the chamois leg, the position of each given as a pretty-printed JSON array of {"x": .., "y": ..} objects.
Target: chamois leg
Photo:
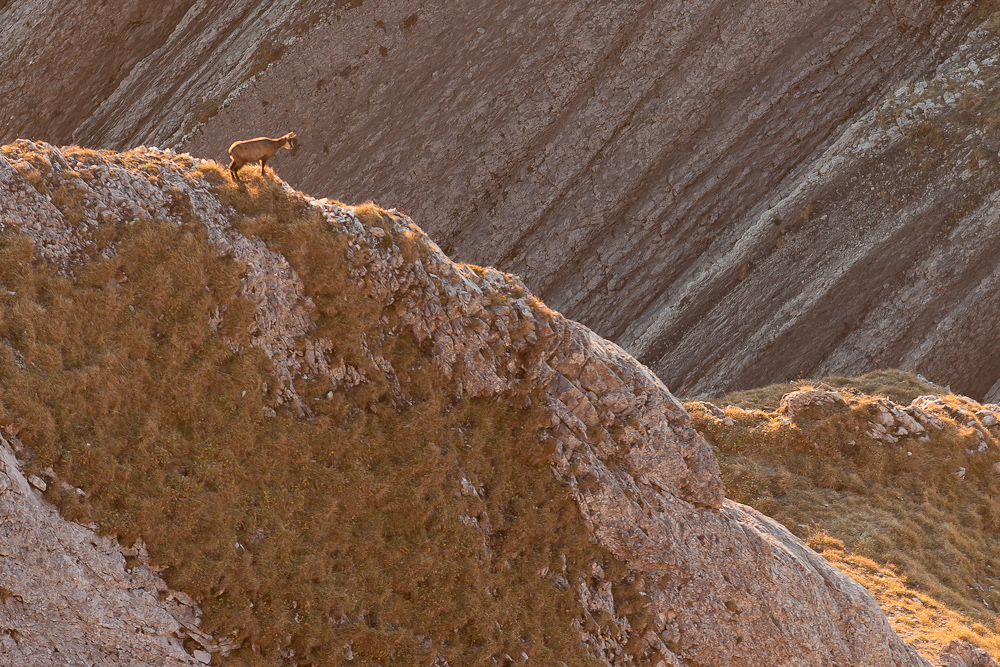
[
  {"x": 234, "y": 168},
  {"x": 263, "y": 161}
]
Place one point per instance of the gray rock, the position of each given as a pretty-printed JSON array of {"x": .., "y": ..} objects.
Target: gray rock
[
  {"x": 961, "y": 653},
  {"x": 37, "y": 482},
  {"x": 797, "y": 402}
]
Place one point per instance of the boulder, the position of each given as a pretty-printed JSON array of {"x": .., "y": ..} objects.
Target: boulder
[
  {"x": 797, "y": 402},
  {"x": 961, "y": 653}
]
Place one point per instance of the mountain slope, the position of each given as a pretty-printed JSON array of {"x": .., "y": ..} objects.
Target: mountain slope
[
  {"x": 121, "y": 74},
  {"x": 335, "y": 439},
  {"x": 882, "y": 255},
  {"x": 651, "y": 169},
  {"x": 616, "y": 156}
]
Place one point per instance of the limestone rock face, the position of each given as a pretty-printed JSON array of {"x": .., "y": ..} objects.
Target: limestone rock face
[
  {"x": 726, "y": 586},
  {"x": 63, "y": 59},
  {"x": 65, "y": 595},
  {"x": 880, "y": 253}
]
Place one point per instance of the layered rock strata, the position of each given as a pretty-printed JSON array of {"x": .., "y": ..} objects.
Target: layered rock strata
[
  {"x": 881, "y": 255},
  {"x": 726, "y": 585},
  {"x": 618, "y": 156}
]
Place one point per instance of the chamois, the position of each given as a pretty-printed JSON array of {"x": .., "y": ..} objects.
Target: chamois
[{"x": 261, "y": 148}]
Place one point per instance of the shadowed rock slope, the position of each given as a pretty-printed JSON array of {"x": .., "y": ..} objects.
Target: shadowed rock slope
[
  {"x": 119, "y": 74},
  {"x": 882, "y": 255},
  {"x": 345, "y": 446}
]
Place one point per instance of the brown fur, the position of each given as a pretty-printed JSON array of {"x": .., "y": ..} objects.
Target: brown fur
[{"x": 260, "y": 149}]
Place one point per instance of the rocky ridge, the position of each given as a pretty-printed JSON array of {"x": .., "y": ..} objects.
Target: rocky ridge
[
  {"x": 894, "y": 422},
  {"x": 726, "y": 585},
  {"x": 876, "y": 468}
]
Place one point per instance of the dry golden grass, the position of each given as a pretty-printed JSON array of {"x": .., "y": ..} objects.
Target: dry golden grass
[
  {"x": 87, "y": 155},
  {"x": 900, "y": 506},
  {"x": 917, "y": 617},
  {"x": 370, "y": 214},
  {"x": 298, "y": 536}
]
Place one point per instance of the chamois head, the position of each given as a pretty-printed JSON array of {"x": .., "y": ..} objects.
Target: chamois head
[{"x": 291, "y": 142}]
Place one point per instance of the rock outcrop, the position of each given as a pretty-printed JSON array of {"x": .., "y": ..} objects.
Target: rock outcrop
[
  {"x": 726, "y": 585},
  {"x": 964, "y": 654},
  {"x": 66, "y": 596},
  {"x": 800, "y": 401}
]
